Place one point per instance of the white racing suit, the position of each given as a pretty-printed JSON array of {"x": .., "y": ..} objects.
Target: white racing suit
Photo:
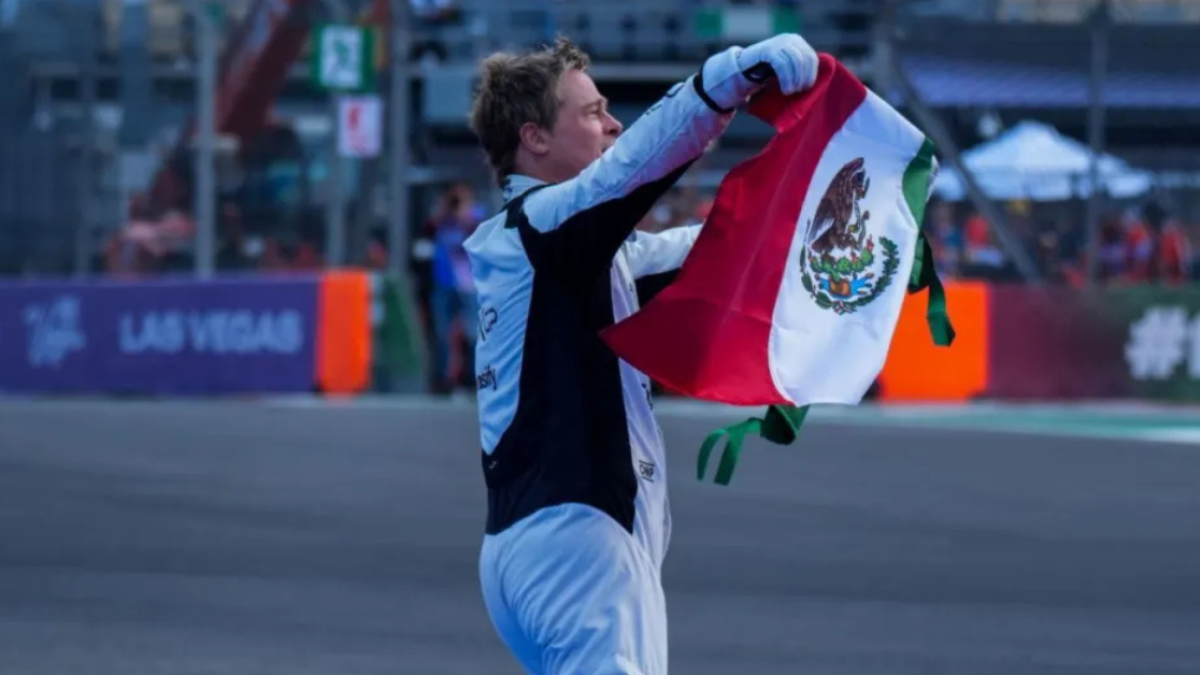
[{"x": 577, "y": 519}]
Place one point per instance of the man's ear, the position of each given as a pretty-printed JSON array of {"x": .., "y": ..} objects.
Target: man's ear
[{"x": 534, "y": 139}]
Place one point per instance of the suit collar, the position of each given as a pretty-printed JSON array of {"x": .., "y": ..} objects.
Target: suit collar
[{"x": 518, "y": 184}]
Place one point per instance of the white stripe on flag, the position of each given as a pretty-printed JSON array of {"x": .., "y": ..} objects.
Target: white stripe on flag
[{"x": 828, "y": 344}]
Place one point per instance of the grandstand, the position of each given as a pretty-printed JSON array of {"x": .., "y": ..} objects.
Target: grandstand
[{"x": 108, "y": 90}]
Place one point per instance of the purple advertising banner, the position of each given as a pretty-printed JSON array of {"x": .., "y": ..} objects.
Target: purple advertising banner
[{"x": 240, "y": 335}]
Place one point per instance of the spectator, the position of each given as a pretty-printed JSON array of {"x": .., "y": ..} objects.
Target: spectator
[
  {"x": 452, "y": 298},
  {"x": 982, "y": 255},
  {"x": 947, "y": 240},
  {"x": 1112, "y": 257},
  {"x": 1139, "y": 247},
  {"x": 1048, "y": 249},
  {"x": 1174, "y": 253}
]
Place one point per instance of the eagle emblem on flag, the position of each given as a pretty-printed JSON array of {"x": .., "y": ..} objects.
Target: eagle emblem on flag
[{"x": 838, "y": 263}]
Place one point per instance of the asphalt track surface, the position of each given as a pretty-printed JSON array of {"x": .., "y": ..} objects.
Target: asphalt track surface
[{"x": 226, "y": 538}]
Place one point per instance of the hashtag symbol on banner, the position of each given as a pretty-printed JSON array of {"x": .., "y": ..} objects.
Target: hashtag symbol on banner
[{"x": 1157, "y": 343}]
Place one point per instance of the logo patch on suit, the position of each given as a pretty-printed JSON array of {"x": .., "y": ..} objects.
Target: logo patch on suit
[
  {"x": 486, "y": 379},
  {"x": 487, "y": 321},
  {"x": 646, "y": 469}
]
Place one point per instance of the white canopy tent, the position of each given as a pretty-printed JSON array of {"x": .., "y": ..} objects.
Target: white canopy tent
[{"x": 1034, "y": 161}]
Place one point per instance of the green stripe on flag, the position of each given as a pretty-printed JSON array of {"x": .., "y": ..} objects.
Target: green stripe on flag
[
  {"x": 916, "y": 181},
  {"x": 937, "y": 316},
  {"x": 781, "y": 426},
  {"x": 924, "y": 272}
]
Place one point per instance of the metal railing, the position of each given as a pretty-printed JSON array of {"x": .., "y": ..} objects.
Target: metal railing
[
  {"x": 661, "y": 30},
  {"x": 622, "y": 30},
  {"x": 616, "y": 30},
  {"x": 1057, "y": 11}
]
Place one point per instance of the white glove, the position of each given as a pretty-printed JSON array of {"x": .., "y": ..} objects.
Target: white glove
[
  {"x": 730, "y": 77},
  {"x": 789, "y": 56}
]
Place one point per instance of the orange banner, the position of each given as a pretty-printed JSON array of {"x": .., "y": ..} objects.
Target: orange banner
[
  {"x": 344, "y": 332},
  {"x": 919, "y": 371}
]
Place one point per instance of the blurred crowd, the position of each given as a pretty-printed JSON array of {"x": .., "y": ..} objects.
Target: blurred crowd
[
  {"x": 1141, "y": 244},
  {"x": 148, "y": 246}
]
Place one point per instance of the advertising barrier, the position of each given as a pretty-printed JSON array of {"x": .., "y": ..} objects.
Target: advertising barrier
[
  {"x": 344, "y": 333},
  {"x": 1136, "y": 342},
  {"x": 918, "y": 370},
  {"x": 337, "y": 331},
  {"x": 1022, "y": 343},
  {"x": 184, "y": 337}
]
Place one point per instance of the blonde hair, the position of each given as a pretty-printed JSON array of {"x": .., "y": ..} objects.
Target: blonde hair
[{"x": 517, "y": 89}]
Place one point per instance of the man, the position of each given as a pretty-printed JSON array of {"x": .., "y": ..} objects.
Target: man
[
  {"x": 452, "y": 296},
  {"x": 578, "y": 522}
]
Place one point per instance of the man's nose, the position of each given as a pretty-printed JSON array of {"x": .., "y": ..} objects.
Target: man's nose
[{"x": 614, "y": 126}]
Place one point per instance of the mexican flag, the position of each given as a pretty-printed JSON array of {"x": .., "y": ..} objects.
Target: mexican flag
[{"x": 792, "y": 292}]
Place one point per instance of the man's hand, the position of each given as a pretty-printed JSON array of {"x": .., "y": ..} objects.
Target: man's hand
[
  {"x": 729, "y": 78},
  {"x": 792, "y": 60}
]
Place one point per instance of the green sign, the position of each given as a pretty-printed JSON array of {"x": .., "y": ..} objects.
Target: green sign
[
  {"x": 744, "y": 23},
  {"x": 342, "y": 58}
]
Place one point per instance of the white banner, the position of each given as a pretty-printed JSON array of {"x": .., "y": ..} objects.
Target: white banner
[{"x": 360, "y": 126}]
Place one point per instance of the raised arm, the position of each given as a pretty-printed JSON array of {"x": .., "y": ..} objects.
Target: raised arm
[{"x": 577, "y": 226}]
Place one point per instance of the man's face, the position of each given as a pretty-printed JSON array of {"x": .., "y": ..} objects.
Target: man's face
[{"x": 584, "y": 128}]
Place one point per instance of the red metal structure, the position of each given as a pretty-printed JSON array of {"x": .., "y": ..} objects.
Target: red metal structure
[{"x": 255, "y": 64}]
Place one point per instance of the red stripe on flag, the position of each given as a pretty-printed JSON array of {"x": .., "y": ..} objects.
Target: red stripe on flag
[{"x": 707, "y": 334}]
